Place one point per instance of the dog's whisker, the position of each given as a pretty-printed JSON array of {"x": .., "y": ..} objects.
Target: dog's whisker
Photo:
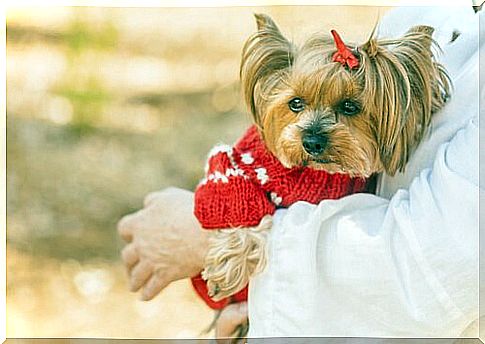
[{"x": 316, "y": 113}]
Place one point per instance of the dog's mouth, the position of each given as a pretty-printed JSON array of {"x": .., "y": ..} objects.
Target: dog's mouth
[
  {"x": 318, "y": 160},
  {"x": 323, "y": 160}
]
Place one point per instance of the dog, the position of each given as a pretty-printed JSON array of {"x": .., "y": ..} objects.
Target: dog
[{"x": 327, "y": 117}]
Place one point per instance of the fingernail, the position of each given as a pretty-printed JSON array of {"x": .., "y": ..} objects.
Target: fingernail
[{"x": 145, "y": 296}]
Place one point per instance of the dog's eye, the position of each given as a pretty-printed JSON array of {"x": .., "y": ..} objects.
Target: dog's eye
[
  {"x": 348, "y": 108},
  {"x": 296, "y": 104}
]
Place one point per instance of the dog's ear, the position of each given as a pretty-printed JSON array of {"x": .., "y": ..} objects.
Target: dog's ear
[
  {"x": 405, "y": 85},
  {"x": 417, "y": 54},
  {"x": 422, "y": 34},
  {"x": 264, "y": 54},
  {"x": 264, "y": 22}
]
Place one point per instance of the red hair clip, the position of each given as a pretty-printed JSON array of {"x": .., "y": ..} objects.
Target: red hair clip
[{"x": 343, "y": 54}]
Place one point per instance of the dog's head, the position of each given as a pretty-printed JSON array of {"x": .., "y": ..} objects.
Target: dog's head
[{"x": 315, "y": 110}]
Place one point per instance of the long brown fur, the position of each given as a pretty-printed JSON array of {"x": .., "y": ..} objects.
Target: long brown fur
[
  {"x": 398, "y": 83},
  {"x": 398, "y": 86}
]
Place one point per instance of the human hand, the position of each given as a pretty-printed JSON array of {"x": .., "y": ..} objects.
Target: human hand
[
  {"x": 164, "y": 242},
  {"x": 232, "y": 322}
]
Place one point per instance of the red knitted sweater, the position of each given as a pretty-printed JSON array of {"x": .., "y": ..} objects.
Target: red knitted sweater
[{"x": 246, "y": 182}]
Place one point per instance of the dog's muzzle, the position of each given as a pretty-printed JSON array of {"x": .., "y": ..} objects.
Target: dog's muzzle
[{"x": 314, "y": 144}]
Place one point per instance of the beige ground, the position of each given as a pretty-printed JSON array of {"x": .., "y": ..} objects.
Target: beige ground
[
  {"x": 104, "y": 106},
  {"x": 67, "y": 299}
]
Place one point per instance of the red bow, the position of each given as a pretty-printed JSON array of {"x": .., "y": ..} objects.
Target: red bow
[{"x": 343, "y": 54}]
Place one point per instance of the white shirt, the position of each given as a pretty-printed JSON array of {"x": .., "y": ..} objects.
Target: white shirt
[{"x": 404, "y": 262}]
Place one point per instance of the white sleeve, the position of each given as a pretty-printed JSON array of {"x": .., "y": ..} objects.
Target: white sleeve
[{"x": 368, "y": 266}]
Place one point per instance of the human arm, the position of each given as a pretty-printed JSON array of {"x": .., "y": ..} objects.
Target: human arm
[
  {"x": 164, "y": 242},
  {"x": 404, "y": 265},
  {"x": 368, "y": 266}
]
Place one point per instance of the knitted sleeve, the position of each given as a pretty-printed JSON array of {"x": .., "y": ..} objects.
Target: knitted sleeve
[{"x": 227, "y": 197}]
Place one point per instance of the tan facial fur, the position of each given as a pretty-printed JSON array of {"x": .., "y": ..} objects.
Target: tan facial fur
[{"x": 397, "y": 87}]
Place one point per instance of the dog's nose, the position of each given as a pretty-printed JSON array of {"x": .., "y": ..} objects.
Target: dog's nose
[{"x": 314, "y": 144}]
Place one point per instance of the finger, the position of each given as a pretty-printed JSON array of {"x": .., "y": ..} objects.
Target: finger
[
  {"x": 150, "y": 198},
  {"x": 154, "y": 286},
  {"x": 231, "y": 316},
  {"x": 140, "y": 274},
  {"x": 126, "y": 226},
  {"x": 129, "y": 255}
]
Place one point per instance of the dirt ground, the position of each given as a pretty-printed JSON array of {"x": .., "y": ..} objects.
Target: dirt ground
[{"x": 103, "y": 106}]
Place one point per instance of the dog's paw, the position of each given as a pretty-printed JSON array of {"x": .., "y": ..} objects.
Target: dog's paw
[{"x": 234, "y": 256}]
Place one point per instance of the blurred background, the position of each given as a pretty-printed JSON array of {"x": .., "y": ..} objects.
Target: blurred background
[{"x": 103, "y": 106}]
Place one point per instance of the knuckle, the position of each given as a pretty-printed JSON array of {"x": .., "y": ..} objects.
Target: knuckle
[
  {"x": 128, "y": 223},
  {"x": 128, "y": 254},
  {"x": 152, "y": 196},
  {"x": 125, "y": 223},
  {"x": 170, "y": 189},
  {"x": 125, "y": 253}
]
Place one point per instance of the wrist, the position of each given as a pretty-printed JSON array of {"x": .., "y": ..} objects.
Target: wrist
[
  {"x": 199, "y": 250},
  {"x": 202, "y": 249}
]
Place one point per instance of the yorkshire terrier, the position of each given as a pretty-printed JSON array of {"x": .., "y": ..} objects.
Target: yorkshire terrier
[{"x": 327, "y": 117}]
